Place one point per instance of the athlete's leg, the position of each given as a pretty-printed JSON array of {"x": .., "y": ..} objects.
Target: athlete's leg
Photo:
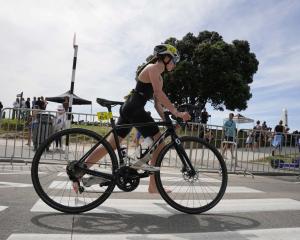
[
  {"x": 100, "y": 152},
  {"x": 152, "y": 186},
  {"x": 97, "y": 155}
]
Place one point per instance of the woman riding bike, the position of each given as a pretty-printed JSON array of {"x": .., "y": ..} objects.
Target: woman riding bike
[{"x": 148, "y": 86}]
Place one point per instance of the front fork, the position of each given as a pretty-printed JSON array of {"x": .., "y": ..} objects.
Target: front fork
[{"x": 187, "y": 165}]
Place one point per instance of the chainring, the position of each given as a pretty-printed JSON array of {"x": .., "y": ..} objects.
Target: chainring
[{"x": 127, "y": 179}]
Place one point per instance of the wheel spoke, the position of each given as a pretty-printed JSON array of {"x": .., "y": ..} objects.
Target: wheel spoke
[
  {"x": 192, "y": 194},
  {"x": 52, "y": 182}
]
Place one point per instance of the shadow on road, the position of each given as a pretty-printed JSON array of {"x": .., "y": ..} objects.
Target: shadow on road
[{"x": 95, "y": 223}]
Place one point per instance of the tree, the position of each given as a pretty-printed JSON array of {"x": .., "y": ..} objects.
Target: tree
[{"x": 211, "y": 71}]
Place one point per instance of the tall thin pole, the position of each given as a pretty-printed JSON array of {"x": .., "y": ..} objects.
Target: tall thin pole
[
  {"x": 72, "y": 87},
  {"x": 75, "y": 46}
]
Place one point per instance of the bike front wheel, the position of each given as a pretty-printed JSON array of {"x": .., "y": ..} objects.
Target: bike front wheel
[
  {"x": 50, "y": 178},
  {"x": 191, "y": 193}
]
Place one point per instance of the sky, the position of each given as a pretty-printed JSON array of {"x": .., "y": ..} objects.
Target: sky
[{"x": 114, "y": 37}]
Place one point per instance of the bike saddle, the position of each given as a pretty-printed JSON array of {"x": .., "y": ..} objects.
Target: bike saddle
[{"x": 108, "y": 103}]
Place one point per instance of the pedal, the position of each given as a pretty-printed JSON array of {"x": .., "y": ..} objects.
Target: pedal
[{"x": 81, "y": 189}]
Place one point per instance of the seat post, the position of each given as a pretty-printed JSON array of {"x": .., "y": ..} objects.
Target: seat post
[{"x": 112, "y": 121}]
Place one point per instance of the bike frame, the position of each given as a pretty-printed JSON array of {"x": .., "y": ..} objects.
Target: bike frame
[{"x": 170, "y": 131}]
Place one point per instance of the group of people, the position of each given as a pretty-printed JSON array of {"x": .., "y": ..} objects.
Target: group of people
[
  {"x": 261, "y": 134},
  {"x": 57, "y": 123},
  {"x": 36, "y": 103},
  {"x": 258, "y": 135}
]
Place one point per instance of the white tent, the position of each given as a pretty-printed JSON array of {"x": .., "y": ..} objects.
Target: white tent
[{"x": 242, "y": 119}]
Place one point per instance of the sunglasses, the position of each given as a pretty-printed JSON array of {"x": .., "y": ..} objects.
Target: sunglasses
[{"x": 175, "y": 60}]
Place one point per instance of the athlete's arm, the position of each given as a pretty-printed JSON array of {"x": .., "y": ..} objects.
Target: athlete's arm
[
  {"x": 161, "y": 97},
  {"x": 158, "y": 93},
  {"x": 159, "y": 108}
]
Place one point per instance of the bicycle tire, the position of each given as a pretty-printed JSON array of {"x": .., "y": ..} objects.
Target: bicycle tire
[
  {"x": 41, "y": 191},
  {"x": 167, "y": 196}
]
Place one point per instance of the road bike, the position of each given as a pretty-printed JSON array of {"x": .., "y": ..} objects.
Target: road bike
[{"x": 192, "y": 175}]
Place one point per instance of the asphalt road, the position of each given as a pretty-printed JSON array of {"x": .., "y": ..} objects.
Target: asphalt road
[{"x": 259, "y": 208}]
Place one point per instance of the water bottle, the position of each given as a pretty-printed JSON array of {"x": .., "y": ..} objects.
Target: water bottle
[
  {"x": 142, "y": 148},
  {"x": 123, "y": 149}
]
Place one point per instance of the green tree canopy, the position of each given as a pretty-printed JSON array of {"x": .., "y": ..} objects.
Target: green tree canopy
[{"x": 211, "y": 71}]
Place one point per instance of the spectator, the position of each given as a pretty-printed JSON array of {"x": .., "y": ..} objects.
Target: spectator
[
  {"x": 197, "y": 115},
  {"x": 278, "y": 137},
  {"x": 208, "y": 136},
  {"x": 31, "y": 124},
  {"x": 264, "y": 126},
  {"x": 27, "y": 103},
  {"x": 1, "y": 107},
  {"x": 204, "y": 116},
  {"x": 39, "y": 103},
  {"x": 23, "y": 103},
  {"x": 299, "y": 143},
  {"x": 249, "y": 140},
  {"x": 66, "y": 104},
  {"x": 229, "y": 129},
  {"x": 16, "y": 105},
  {"x": 59, "y": 124},
  {"x": 33, "y": 103},
  {"x": 257, "y": 134},
  {"x": 44, "y": 103}
]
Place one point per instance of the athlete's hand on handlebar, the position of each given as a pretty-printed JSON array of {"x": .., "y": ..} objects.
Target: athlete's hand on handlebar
[{"x": 185, "y": 116}]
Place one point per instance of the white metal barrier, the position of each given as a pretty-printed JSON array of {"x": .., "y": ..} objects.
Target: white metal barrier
[{"x": 22, "y": 130}]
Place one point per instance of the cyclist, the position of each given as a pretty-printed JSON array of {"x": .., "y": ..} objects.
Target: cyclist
[{"x": 149, "y": 85}]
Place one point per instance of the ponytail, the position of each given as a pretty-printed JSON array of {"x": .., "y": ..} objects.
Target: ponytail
[{"x": 153, "y": 59}]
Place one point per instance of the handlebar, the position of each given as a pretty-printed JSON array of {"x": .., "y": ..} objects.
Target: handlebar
[{"x": 182, "y": 108}]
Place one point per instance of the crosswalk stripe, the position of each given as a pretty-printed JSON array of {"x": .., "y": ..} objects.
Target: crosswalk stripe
[
  {"x": 2, "y": 208},
  {"x": 255, "y": 234},
  {"x": 159, "y": 207},
  {"x": 144, "y": 188},
  {"x": 13, "y": 184},
  {"x": 18, "y": 173}
]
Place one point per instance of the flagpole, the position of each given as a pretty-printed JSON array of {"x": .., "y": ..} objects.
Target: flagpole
[
  {"x": 69, "y": 118},
  {"x": 75, "y": 46}
]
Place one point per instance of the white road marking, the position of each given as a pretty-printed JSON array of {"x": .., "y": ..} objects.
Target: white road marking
[
  {"x": 172, "y": 177},
  {"x": 13, "y": 185},
  {"x": 144, "y": 188},
  {"x": 19, "y": 173},
  {"x": 2, "y": 208},
  {"x": 160, "y": 207},
  {"x": 255, "y": 234}
]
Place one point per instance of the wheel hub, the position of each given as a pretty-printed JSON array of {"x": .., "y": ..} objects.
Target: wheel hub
[{"x": 190, "y": 178}]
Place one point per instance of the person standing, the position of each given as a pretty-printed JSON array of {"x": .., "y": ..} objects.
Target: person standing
[
  {"x": 44, "y": 103},
  {"x": 16, "y": 105},
  {"x": 27, "y": 106},
  {"x": 33, "y": 103},
  {"x": 204, "y": 116},
  {"x": 66, "y": 103},
  {"x": 278, "y": 137},
  {"x": 229, "y": 129},
  {"x": 1, "y": 107},
  {"x": 27, "y": 103},
  {"x": 59, "y": 124},
  {"x": 39, "y": 103},
  {"x": 257, "y": 134}
]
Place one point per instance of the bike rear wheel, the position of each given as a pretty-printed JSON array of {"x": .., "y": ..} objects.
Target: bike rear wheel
[
  {"x": 186, "y": 193},
  {"x": 50, "y": 178}
]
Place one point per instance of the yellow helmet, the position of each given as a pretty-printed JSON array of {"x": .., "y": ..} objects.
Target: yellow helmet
[{"x": 167, "y": 49}]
